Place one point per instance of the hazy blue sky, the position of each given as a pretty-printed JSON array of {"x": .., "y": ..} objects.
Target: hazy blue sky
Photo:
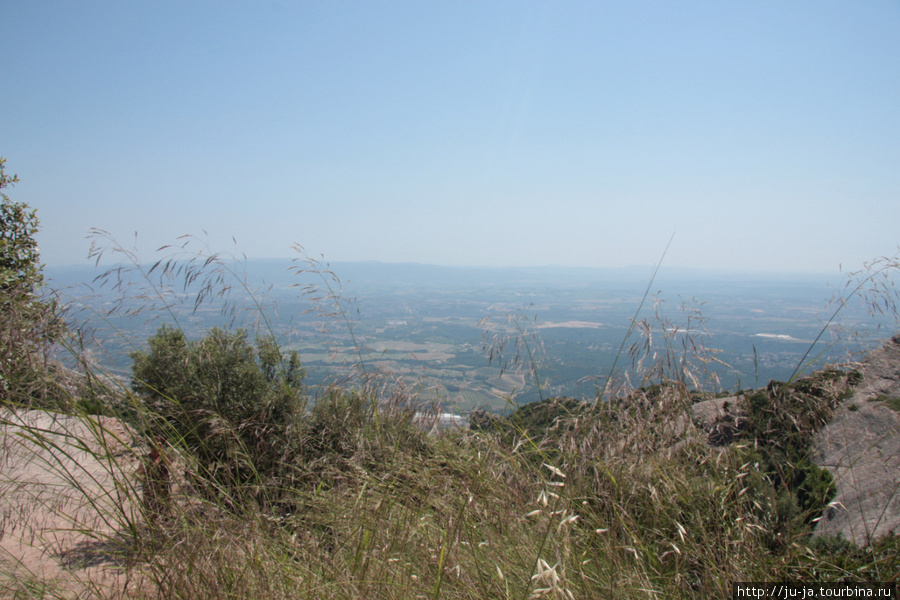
[{"x": 764, "y": 135}]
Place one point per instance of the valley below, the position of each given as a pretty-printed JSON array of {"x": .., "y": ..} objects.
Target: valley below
[{"x": 493, "y": 339}]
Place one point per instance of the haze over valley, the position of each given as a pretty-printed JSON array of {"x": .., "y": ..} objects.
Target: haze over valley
[{"x": 470, "y": 337}]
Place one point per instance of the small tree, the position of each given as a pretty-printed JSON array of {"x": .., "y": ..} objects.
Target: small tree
[
  {"x": 20, "y": 269},
  {"x": 235, "y": 405},
  {"x": 29, "y": 324}
]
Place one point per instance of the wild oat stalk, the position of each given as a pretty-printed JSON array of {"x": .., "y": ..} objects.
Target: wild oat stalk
[
  {"x": 187, "y": 272},
  {"x": 514, "y": 347},
  {"x": 874, "y": 284},
  {"x": 329, "y": 303}
]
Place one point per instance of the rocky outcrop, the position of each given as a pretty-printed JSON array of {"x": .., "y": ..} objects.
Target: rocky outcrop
[
  {"x": 63, "y": 491},
  {"x": 721, "y": 419},
  {"x": 861, "y": 448}
]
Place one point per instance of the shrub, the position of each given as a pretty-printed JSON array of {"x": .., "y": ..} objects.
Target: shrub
[
  {"x": 782, "y": 420},
  {"x": 29, "y": 324},
  {"x": 534, "y": 419},
  {"x": 234, "y": 405}
]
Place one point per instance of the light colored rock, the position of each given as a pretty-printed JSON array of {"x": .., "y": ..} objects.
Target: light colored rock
[
  {"x": 861, "y": 448},
  {"x": 720, "y": 419},
  {"x": 64, "y": 495}
]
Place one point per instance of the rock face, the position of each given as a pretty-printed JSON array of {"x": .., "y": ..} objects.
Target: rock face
[
  {"x": 861, "y": 448},
  {"x": 721, "y": 419},
  {"x": 61, "y": 484}
]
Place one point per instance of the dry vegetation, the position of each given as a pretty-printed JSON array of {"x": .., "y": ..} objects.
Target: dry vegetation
[{"x": 621, "y": 498}]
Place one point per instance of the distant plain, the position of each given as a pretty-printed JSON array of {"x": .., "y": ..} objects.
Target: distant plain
[{"x": 472, "y": 338}]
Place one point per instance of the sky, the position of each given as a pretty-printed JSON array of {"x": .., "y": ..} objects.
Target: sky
[{"x": 762, "y": 135}]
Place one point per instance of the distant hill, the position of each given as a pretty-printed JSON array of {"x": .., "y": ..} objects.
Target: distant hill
[{"x": 381, "y": 273}]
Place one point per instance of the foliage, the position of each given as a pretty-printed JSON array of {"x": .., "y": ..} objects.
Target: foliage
[
  {"x": 29, "y": 323},
  {"x": 833, "y": 558},
  {"x": 233, "y": 404},
  {"x": 889, "y": 401},
  {"x": 534, "y": 419},
  {"x": 781, "y": 422},
  {"x": 20, "y": 268}
]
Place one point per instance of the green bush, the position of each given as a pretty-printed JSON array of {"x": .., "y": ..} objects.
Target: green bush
[
  {"x": 232, "y": 404},
  {"x": 29, "y": 323},
  {"x": 782, "y": 420},
  {"x": 535, "y": 418}
]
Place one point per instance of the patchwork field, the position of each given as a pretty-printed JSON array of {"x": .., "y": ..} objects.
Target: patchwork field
[{"x": 474, "y": 339}]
